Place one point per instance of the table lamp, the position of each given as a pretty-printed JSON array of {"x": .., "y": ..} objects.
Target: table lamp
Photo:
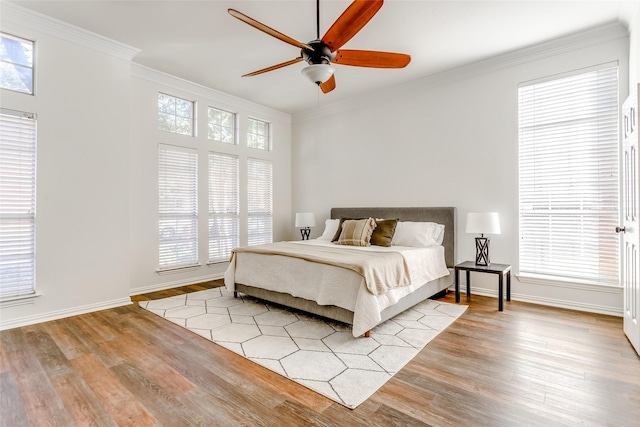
[
  {"x": 483, "y": 223},
  {"x": 304, "y": 221}
]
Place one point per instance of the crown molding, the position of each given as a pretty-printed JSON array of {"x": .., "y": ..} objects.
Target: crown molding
[
  {"x": 19, "y": 20},
  {"x": 594, "y": 36},
  {"x": 222, "y": 100}
]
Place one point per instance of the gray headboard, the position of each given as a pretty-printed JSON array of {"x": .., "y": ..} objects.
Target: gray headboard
[{"x": 445, "y": 216}]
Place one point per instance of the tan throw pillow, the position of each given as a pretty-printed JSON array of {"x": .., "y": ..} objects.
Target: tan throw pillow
[
  {"x": 383, "y": 234},
  {"x": 339, "y": 230},
  {"x": 357, "y": 232}
]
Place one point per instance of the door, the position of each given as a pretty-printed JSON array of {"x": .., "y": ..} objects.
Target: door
[{"x": 630, "y": 232}]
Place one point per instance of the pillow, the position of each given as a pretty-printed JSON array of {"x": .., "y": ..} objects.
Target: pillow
[
  {"x": 384, "y": 231},
  {"x": 418, "y": 234},
  {"x": 339, "y": 230},
  {"x": 357, "y": 232},
  {"x": 440, "y": 237},
  {"x": 330, "y": 229}
]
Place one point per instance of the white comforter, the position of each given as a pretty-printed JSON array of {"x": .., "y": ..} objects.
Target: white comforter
[{"x": 330, "y": 285}]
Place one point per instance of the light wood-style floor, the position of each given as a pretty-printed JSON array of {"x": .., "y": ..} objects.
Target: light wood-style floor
[{"x": 527, "y": 366}]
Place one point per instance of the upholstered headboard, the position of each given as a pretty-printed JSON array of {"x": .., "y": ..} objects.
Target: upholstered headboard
[{"x": 445, "y": 216}]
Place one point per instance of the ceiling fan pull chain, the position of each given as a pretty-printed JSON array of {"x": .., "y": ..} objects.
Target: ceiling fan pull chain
[{"x": 318, "y": 19}]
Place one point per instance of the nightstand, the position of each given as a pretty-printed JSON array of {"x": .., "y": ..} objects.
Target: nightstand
[{"x": 501, "y": 270}]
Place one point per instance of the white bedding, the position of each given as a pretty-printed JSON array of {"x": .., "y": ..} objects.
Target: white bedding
[{"x": 330, "y": 285}]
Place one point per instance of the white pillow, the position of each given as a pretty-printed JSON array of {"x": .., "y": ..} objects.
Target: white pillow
[
  {"x": 440, "y": 237},
  {"x": 418, "y": 234},
  {"x": 330, "y": 229}
]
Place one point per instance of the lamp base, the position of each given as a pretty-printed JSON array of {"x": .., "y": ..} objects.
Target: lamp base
[
  {"x": 482, "y": 251},
  {"x": 305, "y": 233}
]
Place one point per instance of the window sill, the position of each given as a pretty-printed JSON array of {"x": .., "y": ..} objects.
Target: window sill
[
  {"x": 215, "y": 263},
  {"x": 573, "y": 284},
  {"x": 18, "y": 300},
  {"x": 180, "y": 269}
]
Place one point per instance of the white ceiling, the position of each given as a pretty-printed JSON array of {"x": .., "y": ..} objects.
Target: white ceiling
[{"x": 199, "y": 41}]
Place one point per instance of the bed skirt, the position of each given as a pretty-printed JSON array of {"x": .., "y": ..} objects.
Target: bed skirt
[{"x": 346, "y": 316}]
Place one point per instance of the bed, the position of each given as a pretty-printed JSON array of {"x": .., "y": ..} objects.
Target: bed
[{"x": 338, "y": 293}]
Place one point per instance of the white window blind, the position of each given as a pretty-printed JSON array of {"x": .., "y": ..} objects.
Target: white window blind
[
  {"x": 17, "y": 203},
  {"x": 224, "y": 232},
  {"x": 569, "y": 185},
  {"x": 260, "y": 201},
  {"x": 178, "y": 207},
  {"x": 257, "y": 134}
]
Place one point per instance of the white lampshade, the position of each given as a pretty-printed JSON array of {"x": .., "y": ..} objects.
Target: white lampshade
[
  {"x": 483, "y": 223},
  {"x": 305, "y": 219},
  {"x": 318, "y": 73}
]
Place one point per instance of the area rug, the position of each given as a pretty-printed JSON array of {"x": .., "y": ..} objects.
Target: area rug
[{"x": 320, "y": 354}]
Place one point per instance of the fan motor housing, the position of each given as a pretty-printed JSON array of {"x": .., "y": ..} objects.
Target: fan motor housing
[{"x": 321, "y": 54}]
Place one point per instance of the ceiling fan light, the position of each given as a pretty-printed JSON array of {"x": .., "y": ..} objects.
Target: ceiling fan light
[{"x": 318, "y": 73}]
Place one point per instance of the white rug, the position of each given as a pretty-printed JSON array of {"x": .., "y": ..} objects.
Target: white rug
[{"x": 320, "y": 354}]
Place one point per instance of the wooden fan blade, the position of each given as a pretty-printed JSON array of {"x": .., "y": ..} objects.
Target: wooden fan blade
[
  {"x": 371, "y": 59},
  {"x": 329, "y": 85},
  {"x": 265, "y": 29},
  {"x": 350, "y": 22},
  {"x": 273, "y": 67}
]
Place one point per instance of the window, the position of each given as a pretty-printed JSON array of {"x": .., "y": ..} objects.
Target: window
[
  {"x": 224, "y": 232},
  {"x": 260, "y": 201},
  {"x": 16, "y": 64},
  {"x": 17, "y": 203},
  {"x": 222, "y": 126},
  {"x": 178, "y": 207},
  {"x": 175, "y": 115},
  {"x": 258, "y": 134},
  {"x": 568, "y": 162}
]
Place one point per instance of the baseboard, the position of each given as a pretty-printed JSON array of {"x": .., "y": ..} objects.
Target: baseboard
[
  {"x": 174, "y": 284},
  {"x": 571, "y": 305},
  {"x": 60, "y": 314},
  {"x": 55, "y": 315}
]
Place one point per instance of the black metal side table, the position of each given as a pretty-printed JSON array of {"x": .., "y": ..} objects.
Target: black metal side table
[{"x": 501, "y": 270}]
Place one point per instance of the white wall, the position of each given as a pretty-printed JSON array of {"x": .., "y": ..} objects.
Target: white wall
[
  {"x": 96, "y": 225},
  {"x": 145, "y": 138},
  {"x": 449, "y": 140},
  {"x": 82, "y": 102},
  {"x": 634, "y": 49}
]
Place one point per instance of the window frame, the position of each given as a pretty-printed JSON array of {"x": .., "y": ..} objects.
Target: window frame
[
  {"x": 267, "y": 134},
  {"x": 176, "y": 116},
  {"x": 227, "y": 212},
  {"x": 234, "y": 127},
  {"x": 555, "y": 137},
  {"x": 23, "y": 200},
  {"x": 259, "y": 211},
  {"x": 186, "y": 209},
  {"x": 15, "y": 64}
]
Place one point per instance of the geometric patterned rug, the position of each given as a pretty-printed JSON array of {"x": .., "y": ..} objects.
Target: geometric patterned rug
[{"x": 318, "y": 353}]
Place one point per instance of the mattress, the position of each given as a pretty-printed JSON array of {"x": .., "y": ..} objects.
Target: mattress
[{"x": 331, "y": 285}]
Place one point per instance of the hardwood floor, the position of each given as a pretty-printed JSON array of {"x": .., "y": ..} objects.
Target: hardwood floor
[{"x": 527, "y": 366}]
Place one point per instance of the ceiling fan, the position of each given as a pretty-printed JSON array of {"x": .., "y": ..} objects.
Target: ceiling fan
[{"x": 322, "y": 52}]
